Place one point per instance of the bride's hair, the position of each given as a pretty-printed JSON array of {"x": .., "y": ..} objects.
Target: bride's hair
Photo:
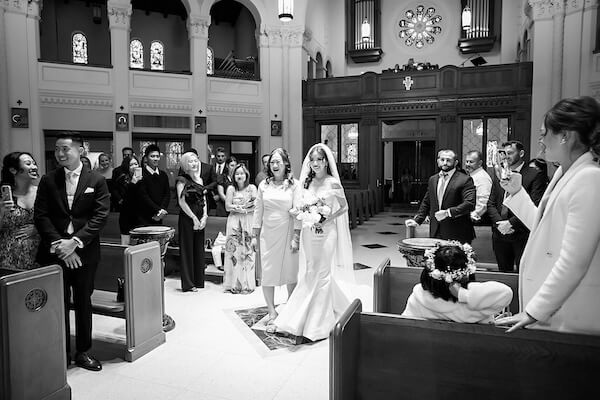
[
  {"x": 286, "y": 162},
  {"x": 311, "y": 174}
]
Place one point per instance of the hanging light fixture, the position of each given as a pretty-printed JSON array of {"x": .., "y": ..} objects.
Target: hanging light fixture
[
  {"x": 466, "y": 18},
  {"x": 365, "y": 30},
  {"x": 286, "y": 10}
]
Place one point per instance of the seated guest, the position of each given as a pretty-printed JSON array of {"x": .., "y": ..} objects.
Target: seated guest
[
  {"x": 239, "y": 256},
  {"x": 448, "y": 290},
  {"x": 19, "y": 239},
  {"x": 126, "y": 194},
  {"x": 223, "y": 182}
]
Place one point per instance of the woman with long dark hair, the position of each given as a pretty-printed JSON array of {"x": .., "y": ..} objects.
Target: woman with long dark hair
[
  {"x": 125, "y": 193},
  {"x": 19, "y": 239}
]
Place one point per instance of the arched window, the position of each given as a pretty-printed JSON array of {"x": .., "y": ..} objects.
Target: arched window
[
  {"x": 320, "y": 72},
  {"x": 210, "y": 61},
  {"x": 80, "y": 48},
  {"x": 157, "y": 56},
  {"x": 328, "y": 70},
  {"x": 136, "y": 54}
]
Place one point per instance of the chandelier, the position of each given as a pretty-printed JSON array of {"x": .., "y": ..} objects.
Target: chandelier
[{"x": 419, "y": 26}]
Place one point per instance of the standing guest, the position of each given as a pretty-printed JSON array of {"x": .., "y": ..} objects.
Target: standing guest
[
  {"x": 192, "y": 221},
  {"x": 126, "y": 189},
  {"x": 154, "y": 190},
  {"x": 104, "y": 168},
  {"x": 318, "y": 301},
  {"x": 275, "y": 230},
  {"x": 71, "y": 208},
  {"x": 86, "y": 161},
  {"x": 448, "y": 202},
  {"x": 509, "y": 234},
  {"x": 406, "y": 180},
  {"x": 127, "y": 152},
  {"x": 262, "y": 175},
  {"x": 223, "y": 182},
  {"x": 220, "y": 166},
  {"x": 482, "y": 181},
  {"x": 240, "y": 274},
  {"x": 19, "y": 240},
  {"x": 560, "y": 267},
  {"x": 541, "y": 165}
]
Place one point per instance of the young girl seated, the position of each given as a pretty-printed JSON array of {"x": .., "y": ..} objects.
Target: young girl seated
[{"x": 448, "y": 289}]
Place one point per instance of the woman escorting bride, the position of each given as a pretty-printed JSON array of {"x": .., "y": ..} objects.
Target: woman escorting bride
[{"x": 317, "y": 301}]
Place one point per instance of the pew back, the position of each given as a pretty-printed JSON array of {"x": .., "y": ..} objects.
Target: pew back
[
  {"x": 392, "y": 357},
  {"x": 393, "y": 285}
]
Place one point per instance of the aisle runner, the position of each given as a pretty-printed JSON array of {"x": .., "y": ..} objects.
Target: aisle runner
[{"x": 255, "y": 318}]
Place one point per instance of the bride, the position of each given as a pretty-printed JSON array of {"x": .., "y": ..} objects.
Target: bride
[{"x": 318, "y": 300}]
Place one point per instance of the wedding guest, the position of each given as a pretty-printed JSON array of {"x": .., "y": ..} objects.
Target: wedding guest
[
  {"x": 192, "y": 221},
  {"x": 127, "y": 152},
  {"x": 19, "y": 239},
  {"x": 71, "y": 208},
  {"x": 103, "y": 166},
  {"x": 262, "y": 175},
  {"x": 220, "y": 167},
  {"x": 541, "y": 165},
  {"x": 481, "y": 180},
  {"x": 224, "y": 180},
  {"x": 126, "y": 191},
  {"x": 86, "y": 161},
  {"x": 276, "y": 233},
  {"x": 560, "y": 267},
  {"x": 317, "y": 302},
  {"x": 154, "y": 190},
  {"x": 240, "y": 274},
  {"x": 448, "y": 289}
]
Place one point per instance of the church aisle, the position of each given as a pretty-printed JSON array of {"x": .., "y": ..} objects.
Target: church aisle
[{"x": 213, "y": 355}]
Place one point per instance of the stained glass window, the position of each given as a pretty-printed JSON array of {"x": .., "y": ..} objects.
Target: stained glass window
[
  {"x": 136, "y": 54},
  {"x": 157, "y": 56},
  {"x": 144, "y": 144},
  {"x": 174, "y": 152},
  {"x": 484, "y": 134},
  {"x": 210, "y": 61},
  {"x": 342, "y": 139},
  {"x": 80, "y": 48}
]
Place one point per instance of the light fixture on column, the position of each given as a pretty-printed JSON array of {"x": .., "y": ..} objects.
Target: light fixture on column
[
  {"x": 286, "y": 10},
  {"x": 365, "y": 30},
  {"x": 466, "y": 18},
  {"x": 96, "y": 13}
]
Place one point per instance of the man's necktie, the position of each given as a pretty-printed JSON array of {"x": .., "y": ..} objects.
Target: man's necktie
[{"x": 440, "y": 194}]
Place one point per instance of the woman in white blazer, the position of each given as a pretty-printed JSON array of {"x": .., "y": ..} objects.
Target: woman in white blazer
[{"x": 559, "y": 278}]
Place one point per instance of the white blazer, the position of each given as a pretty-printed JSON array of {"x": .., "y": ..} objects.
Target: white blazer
[{"x": 559, "y": 278}]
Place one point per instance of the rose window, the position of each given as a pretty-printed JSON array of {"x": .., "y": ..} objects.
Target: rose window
[{"x": 420, "y": 26}]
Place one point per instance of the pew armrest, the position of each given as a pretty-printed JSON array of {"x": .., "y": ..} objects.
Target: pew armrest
[
  {"x": 343, "y": 353},
  {"x": 381, "y": 287}
]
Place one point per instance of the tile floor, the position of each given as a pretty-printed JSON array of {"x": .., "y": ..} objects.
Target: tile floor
[{"x": 213, "y": 355}]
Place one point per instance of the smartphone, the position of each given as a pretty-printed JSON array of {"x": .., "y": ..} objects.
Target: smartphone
[
  {"x": 138, "y": 172},
  {"x": 6, "y": 193},
  {"x": 505, "y": 170}
]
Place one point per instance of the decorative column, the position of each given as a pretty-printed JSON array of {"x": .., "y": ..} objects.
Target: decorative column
[
  {"x": 271, "y": 71},
  {"x": 589, "y": 83},
  {"x": 20, "y": 22},
  {"x": 119, "y": 17},
  {"x": 264, "y": 40},
  {"x": 558, "y": 20},
  {"x": 198, "y": 34},
  {"x": 542, "y": 39},
  {"x": 4, "y": 117}
]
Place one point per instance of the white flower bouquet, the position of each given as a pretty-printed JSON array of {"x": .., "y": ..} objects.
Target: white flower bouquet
[{"x": 313, "y": 211}]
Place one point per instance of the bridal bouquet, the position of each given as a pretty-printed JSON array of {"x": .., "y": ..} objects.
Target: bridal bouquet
[{"x": 312, "y": 211}]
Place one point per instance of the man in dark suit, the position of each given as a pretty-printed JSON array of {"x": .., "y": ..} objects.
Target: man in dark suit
[
  {"x": 71, "y": 207},
  {"x": 154, "y": 190},
  {"x": 448, "y": 202},
  {"x": 509, "y": 234},
  {"x": 220, "y": 165}
]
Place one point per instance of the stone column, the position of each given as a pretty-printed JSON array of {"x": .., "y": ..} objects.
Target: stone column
[
  {"x": 119, "y": 17},
  {"x": 198, "y": 34},
  {"x": 5, "y": 146},
  {"x": 558, "y": 20},
  {"x": 264, "y": 38},
  {"x": 271, "y": 71}
]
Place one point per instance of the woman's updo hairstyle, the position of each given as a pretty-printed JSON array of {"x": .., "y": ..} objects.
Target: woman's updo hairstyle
[
  {"x": 311, "y": 174},
  {"x": 287, "y": 173},
  {"x": 11, "y": 161},
  {"x": 579, "y": 114}
]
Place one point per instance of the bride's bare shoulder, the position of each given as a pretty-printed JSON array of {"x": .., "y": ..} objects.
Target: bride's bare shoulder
[{"x": 334, "y": 183}]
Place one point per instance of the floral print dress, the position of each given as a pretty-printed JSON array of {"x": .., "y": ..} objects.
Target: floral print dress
[
  {"x": 18, "y": 253},
  {"x": 239, "y": 257}
]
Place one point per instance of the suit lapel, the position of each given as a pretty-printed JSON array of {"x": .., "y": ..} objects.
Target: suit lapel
[
  {"x": 449, "y": 187},
  {"x": 59, "y": 180},
  {"x": 84, "y": 178},
  {"x": 436, "y": 181}
]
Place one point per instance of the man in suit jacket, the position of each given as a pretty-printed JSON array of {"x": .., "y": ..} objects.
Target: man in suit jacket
[
  {"x": 509, "y": 234},
  {"x": 448, "y": 202},
  {"x": 154, "y": 189},
  {"x": 209, "y": 179},
  {"x": 71, "y": 207},
  {"x": 220, "y": 166}
]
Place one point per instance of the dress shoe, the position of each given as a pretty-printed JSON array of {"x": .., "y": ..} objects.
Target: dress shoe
[{"x": 84, "y": 360}]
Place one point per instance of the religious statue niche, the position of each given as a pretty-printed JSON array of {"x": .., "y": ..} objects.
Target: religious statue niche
[{"x": 420, "y": 26}]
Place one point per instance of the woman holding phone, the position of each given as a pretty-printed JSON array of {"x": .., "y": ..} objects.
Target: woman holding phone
[
  {"x": 126, "y": 196},
  {"x": 19, "y": 240}
]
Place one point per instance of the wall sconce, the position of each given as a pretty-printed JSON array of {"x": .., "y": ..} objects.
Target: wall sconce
[
  {"x": 96, "y": 14},
  {"x": 466, "y": 18},
  {"x": 286, "y": 10},
  {"x": 365, "y": 30}
]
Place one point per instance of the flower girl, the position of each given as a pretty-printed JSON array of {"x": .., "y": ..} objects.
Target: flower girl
[{"x": 448, "y": 290}]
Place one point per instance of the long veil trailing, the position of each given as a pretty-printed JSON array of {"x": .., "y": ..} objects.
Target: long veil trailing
[{"x": 342, "y": 266}]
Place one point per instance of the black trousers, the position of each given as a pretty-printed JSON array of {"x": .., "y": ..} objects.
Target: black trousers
[
  {"x": 508, "y": 250},
  {"x": 191, "y": 252},
  {"x": 80, "y": 282}
]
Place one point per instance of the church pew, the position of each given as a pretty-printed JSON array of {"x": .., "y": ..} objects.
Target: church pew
[
  {"x": 142, "y": 306},
  {"x": 383, "y": 356},
  {"x": 359, "y": 205},
  {"x": 352, "y": 209},
  {"x": 393, "y": 285}
]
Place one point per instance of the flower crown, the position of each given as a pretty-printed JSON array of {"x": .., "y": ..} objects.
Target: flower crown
[{"x": 450, "y": 275}]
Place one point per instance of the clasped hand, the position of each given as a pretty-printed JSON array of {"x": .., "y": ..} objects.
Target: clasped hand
[
  {"x": 504, "y": 227},
  {"x": 441, "y": 215},
  {"x": 65, "y": 250}
]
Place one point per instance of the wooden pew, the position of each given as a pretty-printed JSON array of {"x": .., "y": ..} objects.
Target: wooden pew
[
  {"x": 352, "y": 208},
  {"x": 393, "y": 285},
  {"x": 142, "y": 306},
  {"x": 384, "y": 356}
]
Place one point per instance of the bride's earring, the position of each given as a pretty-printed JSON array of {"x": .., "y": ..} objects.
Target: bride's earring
[{"x": 563, "y": 140}]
